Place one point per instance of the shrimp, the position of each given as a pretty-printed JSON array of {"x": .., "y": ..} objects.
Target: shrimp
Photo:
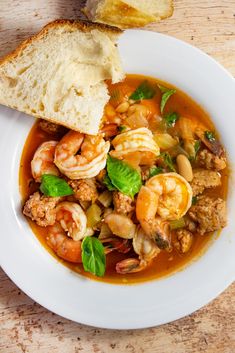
[
  {"x": 89, "y": 162},
  {"x": 64, "y": 247},
  {"x": 43, "y": 160},
  {"x": 166, "y": 195},
  {"x": 64, "y": 236},
  {"x": 138, "y": 140},
  {"x": 72, "y": 219},
  {"x": 145, "y": 248},
  {"x": 172, "y": 197},
  {"x": 113, "y": 243}
]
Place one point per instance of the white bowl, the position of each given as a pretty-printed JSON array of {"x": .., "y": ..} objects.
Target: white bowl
[{"x": 86, "y": 301}]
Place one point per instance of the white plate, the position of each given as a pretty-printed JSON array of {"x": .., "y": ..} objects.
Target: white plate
[{"x": 54, "y": 286}]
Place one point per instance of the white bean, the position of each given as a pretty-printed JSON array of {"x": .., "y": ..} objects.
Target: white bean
[
  {"x": 120, "y": 225},
  {"x": 184, "y": 167},
  {"x": 123, "y": 107}
]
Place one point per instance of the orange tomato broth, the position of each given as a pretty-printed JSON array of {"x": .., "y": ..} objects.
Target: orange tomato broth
[{"x": 166, "y": 263}]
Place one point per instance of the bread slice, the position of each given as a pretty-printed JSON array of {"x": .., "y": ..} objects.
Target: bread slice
[
  {"x": 160, "y": 9},
  {"x": 117, "y": 13},
  {"x": 128, "y": 13},
  {"x": 59, "y": 74}
]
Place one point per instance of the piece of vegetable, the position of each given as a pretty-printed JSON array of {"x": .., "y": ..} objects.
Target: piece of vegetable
[
  {"x": 177, "y": 150},
  {"x": 144, "y": 91},
  {"x": 105, "y": 198},
  {"x": 54, "y": 186},
  {"x": 186, "y": 128},
  {"x": 155, "y": 171},
  {"x": 105, "y": 232},
  {"x": 93, "y": 215},
  {"x": 194, "y": 200},
  {"x": 177, "y": 223},
  {"x": 136, "y": 120},
  {"x": 209, "y": 135},
  {"x": 165, "y": 141},
  {"x": 125, "y": 178},
  {"x": 189, "y": 147},
  {"x": 197, "y": 146},
  {"x": 171, "y": 119},
  {"x": 93, "y": 256},
  {"x": 122, "y": 128},
  {"x": 166, "y": 94},
  {"x": 168, "y": 161}
]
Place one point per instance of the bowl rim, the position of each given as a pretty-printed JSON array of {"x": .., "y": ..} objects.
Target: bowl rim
[{"x": 135, "y": 316}]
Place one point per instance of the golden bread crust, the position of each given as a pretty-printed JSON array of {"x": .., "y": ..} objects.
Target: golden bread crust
[{"x": 84, "y": 26}]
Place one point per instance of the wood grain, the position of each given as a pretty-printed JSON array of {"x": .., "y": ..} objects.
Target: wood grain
[{"x": 27, "y": 327}]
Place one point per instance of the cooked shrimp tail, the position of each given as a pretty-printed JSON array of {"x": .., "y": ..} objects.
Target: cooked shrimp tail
[
  {"x": 66, "y": 248},
  {"x": 43, "y": 160},
  {"x": 130, "y": 265}
]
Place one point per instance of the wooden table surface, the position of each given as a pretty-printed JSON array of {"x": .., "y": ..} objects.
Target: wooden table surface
[{"x": 25, "y": 326}]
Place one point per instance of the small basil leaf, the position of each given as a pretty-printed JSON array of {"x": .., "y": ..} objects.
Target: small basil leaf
[
  {"x": 54, "y": 186},
  {"x": 171, "y": 119},
  {"x": 166, "y": 94},
  {"x": 155, "y": 171},
  {"x": 125, "y": 178},
  {"x": 144, "y": 91},
  {"x": 93, "y": 256},
  {"x": 107, "y": 182},
  {"x": 168, "y": 161},
  {"x": 210, "y": 136}
]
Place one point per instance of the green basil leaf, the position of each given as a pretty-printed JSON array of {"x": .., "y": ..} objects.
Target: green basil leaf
[
  {"x": 171, "y": 119},
  {"x": 163, "y": 89},
  {"x": 155, "y": 171},
  {"x": 54, "y": 186},
  {"x": 125, "y": 178},
  {"x": 210, "y": 136},
  {"x": 93, "y": 256},
  {"x": 144, "y": 91},
  {"x": 168, "y": 161},
  {"x": 166, "y": 94},
  {"x": 107, "y": 182}
]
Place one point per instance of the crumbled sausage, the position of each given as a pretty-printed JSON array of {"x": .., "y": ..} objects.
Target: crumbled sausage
[
  {"x": 189, "y": 224},
  {"x": 123, "y": 204},
  {"x": 84, "y": 189},
  {"x": 203, "y": 179},
  {"x": 209, "y": 213},
  {"x": 49, "y": 127},
  {"x": 41, "y": 209},
  {"x": 208, "y": 160},
  {"x": 184, "y": 240}
]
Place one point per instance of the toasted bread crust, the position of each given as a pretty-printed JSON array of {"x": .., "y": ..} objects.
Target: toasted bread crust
[
  {"x": 124, "y": 15},
  {"x": 84, "y": 26}
]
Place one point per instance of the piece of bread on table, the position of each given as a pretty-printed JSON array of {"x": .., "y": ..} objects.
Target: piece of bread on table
[
  {"x": 59, "y": 74},
  {"x": 128, "y": 13}
]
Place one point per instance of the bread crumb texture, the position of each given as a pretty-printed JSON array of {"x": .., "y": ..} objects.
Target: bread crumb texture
[{"x": 59, "y": 74}]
